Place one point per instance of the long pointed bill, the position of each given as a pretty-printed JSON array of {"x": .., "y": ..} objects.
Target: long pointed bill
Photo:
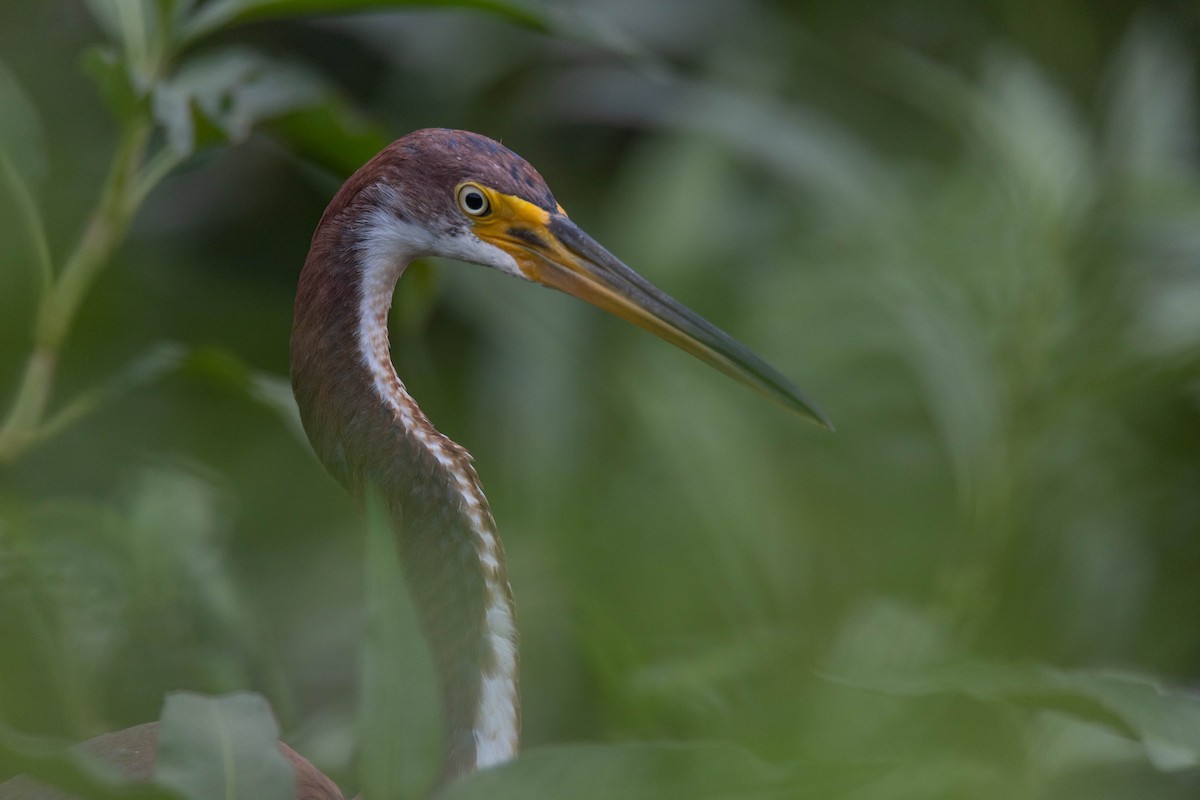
[{"x": 555, "y": 252}]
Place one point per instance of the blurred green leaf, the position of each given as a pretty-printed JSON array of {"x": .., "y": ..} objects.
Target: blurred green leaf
[
  {"x": 142, "y": 371},
  {"x": 51, "y": 763},
  {"x": 221, "y": 13},
  {"x": 1037, "y": 141},
  {"x": 796, "y": 143},
  {"x": 111, "y": 73},
  {"x": 1151, "y": 128},
  {"x": 399, "y": 716},
  {"x": 22, "y": 144},
  {"x": 143, "y": 30},
  {"x": 331, "y": 135},
  {"x": 222, "y": 95},
  {"x": 653, "y": 771},
  {"x": 1165, "y": 721},
  {"x": 222, "y": 747},
  {"x": 23, "y": 167},
  {"x": 226, "y": 368}
]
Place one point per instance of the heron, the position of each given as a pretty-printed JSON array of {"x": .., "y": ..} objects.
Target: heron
[{"x": 463, "y": 196}]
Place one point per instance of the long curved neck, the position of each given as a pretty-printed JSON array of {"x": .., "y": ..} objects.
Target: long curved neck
[{"x": 368, "y": 431}]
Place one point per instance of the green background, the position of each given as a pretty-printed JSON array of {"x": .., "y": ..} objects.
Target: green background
[{"x": 971, "y": 230}]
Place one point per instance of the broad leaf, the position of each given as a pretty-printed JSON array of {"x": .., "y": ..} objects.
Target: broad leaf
[
  {"x": 221, "y": 13},
  {"x": 1165, "y": 721},
  {"x": 222, "y": 747},
  {"x": 399, "y": 722}
]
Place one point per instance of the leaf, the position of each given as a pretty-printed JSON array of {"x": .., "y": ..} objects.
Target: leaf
[
  {"x": 21, "y": 142},
  {"x": 221, "y": 13},
  {"x": 655, "y": 771},
  {"x": 222, "y": 747},
  {"x": 23, "y": 166},
  {"x": 108, "y": 69},
  {"x": 37, "y": 760},
  {"x": 1165, "y": 721},
  {"x": 272, "y": 391},
  {"x": 221, "y": 96},
  {"x": 399, "y": 718},
  {"x": 810, "y": 150},
  {"x": 146, "y": 369},
  {"x": 1151, "y": 127},
  {"x": 330, "y": 135},
  {"x": 142, "y": 28}
]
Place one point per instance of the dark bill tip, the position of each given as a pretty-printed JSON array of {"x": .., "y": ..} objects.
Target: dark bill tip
[{"x": 669, "y": 319}]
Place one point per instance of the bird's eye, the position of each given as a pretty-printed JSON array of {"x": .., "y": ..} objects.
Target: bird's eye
[{"x": 473, "y": 201}]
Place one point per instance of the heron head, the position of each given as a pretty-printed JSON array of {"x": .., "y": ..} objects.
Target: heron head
[{"x": 477, "y": 201}]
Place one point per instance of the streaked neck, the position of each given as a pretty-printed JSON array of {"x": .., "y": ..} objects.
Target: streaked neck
[{"x": 368, "y": 430}]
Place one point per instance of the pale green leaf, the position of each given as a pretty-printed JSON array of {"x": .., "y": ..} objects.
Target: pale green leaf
[
  {"x": 222, "y": 747},
  {"x": 141, "y": 28},
  {"x": 222, "y": 96},
  {"x": 1166, "y": 721}
]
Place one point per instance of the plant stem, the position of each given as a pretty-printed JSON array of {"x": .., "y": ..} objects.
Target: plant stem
[{"x": 119, "y": 201}]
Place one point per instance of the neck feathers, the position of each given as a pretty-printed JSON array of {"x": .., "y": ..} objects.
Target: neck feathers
[{"x": 367, "y": 430}]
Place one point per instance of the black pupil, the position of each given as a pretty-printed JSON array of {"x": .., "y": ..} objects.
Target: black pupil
[{"x": 474, "y": 201}]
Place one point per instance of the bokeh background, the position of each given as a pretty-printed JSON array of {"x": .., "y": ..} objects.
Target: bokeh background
[{"x": 971, "y": 230}]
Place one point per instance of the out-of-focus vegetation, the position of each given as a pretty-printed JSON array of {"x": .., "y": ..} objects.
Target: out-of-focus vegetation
[{"x": 971, "y": 230}]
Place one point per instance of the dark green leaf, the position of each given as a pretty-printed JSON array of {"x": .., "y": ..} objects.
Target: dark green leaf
[
  {"x": 399, "y": 715},
  {"x": 228, "y": 369},
  {"x": 221, "y": 13},
  {"x": 108, "y": 68},
  {"x": 222, "y": 747},
  {"x": 1165, "y": 721},
  {"x": 330, "y": 135}
]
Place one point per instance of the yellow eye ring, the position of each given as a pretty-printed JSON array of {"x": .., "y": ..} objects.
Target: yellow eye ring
[{"x": 473, "y": 200}]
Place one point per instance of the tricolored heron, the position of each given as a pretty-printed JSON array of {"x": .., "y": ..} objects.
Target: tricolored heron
[{"x": 463, "y": 196}]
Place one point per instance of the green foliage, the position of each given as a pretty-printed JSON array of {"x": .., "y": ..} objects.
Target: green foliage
[
  {"x": 222, "y": 747},
  {"x": 23, "y": 166},
  {"x": 21, "y": 142},
  {"x": 218, "y": 14},
  {"x": 977, "y": 250}
]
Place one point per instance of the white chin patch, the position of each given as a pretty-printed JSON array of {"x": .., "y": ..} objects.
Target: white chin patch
[{"x": 389, "y": 244}]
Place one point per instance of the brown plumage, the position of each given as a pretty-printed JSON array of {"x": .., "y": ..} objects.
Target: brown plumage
[{"x": 462, "y": 196}]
